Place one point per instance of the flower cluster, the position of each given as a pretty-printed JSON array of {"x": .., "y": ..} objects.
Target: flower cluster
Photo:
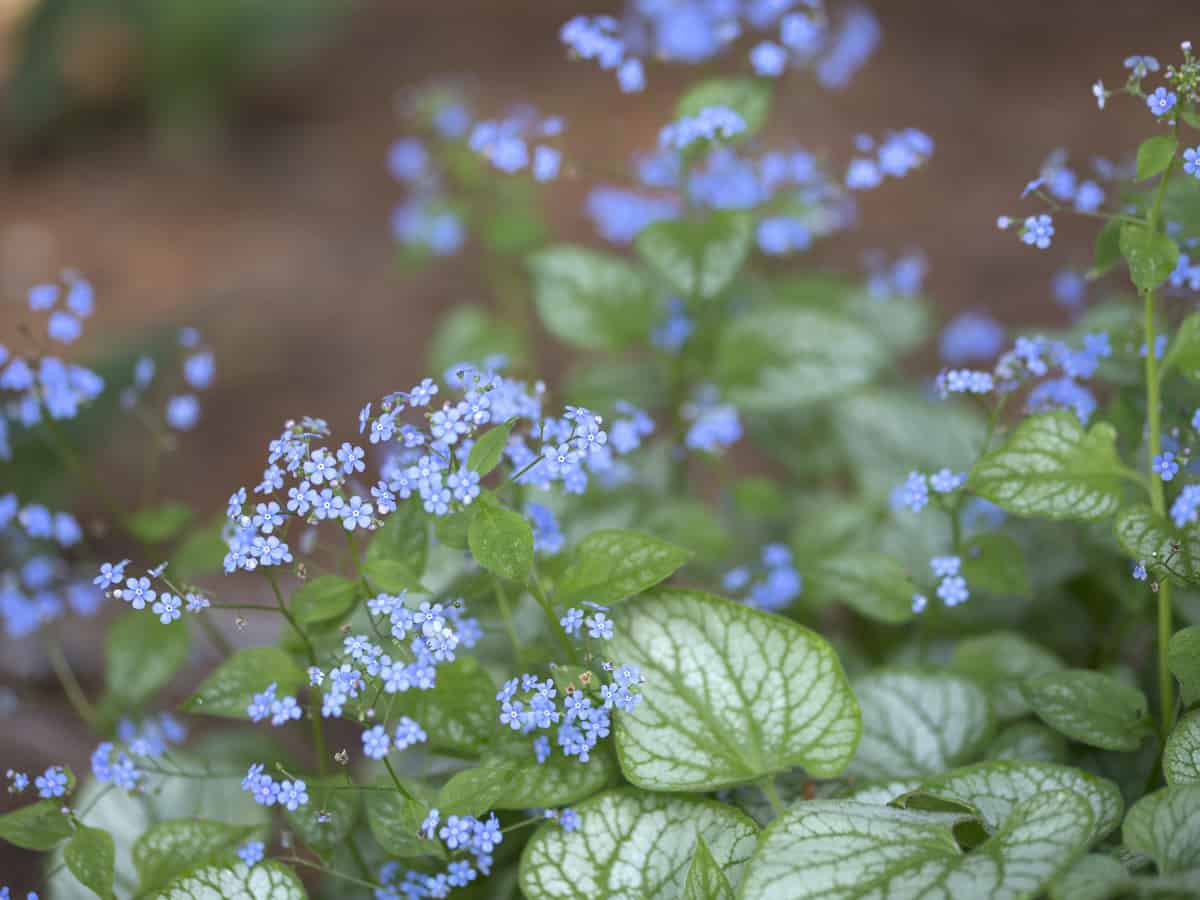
[
  {"x": 694, "y": 31},
  {"x": 895, "y": 156},
  {"x": 198, "y": 371},
  {"x": 462, "y": 836},
  {"x": 139, "y": 592},
  {"x": 1032, "y": 358},
  {"x": 528, "y": 704},
  {"x": 39, "y": 583},
  {"x": 952, "y": 586},
  {"x": 714, "y": 425},
  {"x": 505, "y": 144},
  {"x": 423, "y": 639},
  {"x": 913, "y": 493},
  {"x": 280, "y": 710},
  {"x": 266, "y": 791},
  {"x": 41, "y": 383},
  {"x": 148, "y": 739},
  {"x": 777, "y": 588}
]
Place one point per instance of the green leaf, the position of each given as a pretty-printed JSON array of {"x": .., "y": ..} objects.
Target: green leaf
[
  {"x": 1151, "y": 255},
  {"x": 329, "y": 816},
  {"x": 326, "y": 598},
  {"x": 698, "y": 258},
  {"x": 39, "y": 826},
  {"x": 1151, "y": 538},
  {"x": 1107, "y": 249},
  {"x": 750, "y": 98},
  {"x": 777, "y": 358},
  {"x": 1154, "y": 155},
  {"x": 1051, "y": 467},
  {"x": 404, "y": 538},
  {"x": 1165, "y": 826},
  {"x": 392, "y": 576},
  {"x": 919, "y": 723},
  {"x": 489, "y": 448},
  {"x": 994, "y": 563},
  {"x": 229, "y": 690},
  {"x": 472, "y": 792},
  {"x": 501, "y": 541},
  {"x": 459, "y": 711},
  {"x": 590, "y": 299},
  {"x": 1030, "y": 742},
  {"x": 90, "y": 856},
  {"x": 999, "y": 663},
  {"x": 142, "y": 655},
  {"x": 632, "y": 844},
  {"x": 839, "y": 850},
  {"x": 872, "y": 584},
  {"x": 705, "y": 879},
  {"x": 1181, "y": 755},
  {"x": 690, "y": 524},
  {"x": 1184, "y": 353},
  {"x": 471, "y": 334},
  {"x": 395, "y": 819},
  {"x": 1090, "y": 707},
  {"x": 995, "y": 789},
  {"x": 1191, "y": 117},
  {"x": 1091, "y": 877},
  {"x": 236, "y": 882},
  {"x": 712, "y": 711},
  {"x": 1183, "y": 658},
  {"x": 452, "y": 530},
  {"x": 201, "y": 553},
  {"x": 559, "y": 781},
  {"x": 168, "y": 849},
  {"x": 608, "y": 566},
  {"x": 159, "y": 524}
]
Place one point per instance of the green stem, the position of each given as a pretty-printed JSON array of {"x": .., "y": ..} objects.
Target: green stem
[
  {"x": 70, "y": 684},
  {"x": 535, "y": 588},
  {"x": 772, "y": 794},
  {"x": 215, "y": 636},
  {"x": 1166, "y": 683},
  {"x": 387, "y": 764},
  {"x": 300, "y": 861},
  {"x": 507, "y": 616},
  {"x": 314, "y": 714}
]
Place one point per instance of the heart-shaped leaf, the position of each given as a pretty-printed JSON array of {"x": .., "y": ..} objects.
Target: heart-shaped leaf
[
  {"x": 1183, "y": 657},
  {"x": 839, "y": 850},
  {"x": 919, "y": 723},
  {"x": 999, "y": 663},
  {"x": 1090, "y": 707},
  {"x": 1150, "y": 538},
  {"x": 1050, "y": 467},
  {"x": 995, "y": 789},
  {"x": 630, "y": 844},
  {"x": 169, "y": 849},
  {"x": 611, "y": 565},
  {"x": 731, "y": 694},
  {"x": 697, "y": 258},
  {"x": 1165, "y": 826},
  {"x": 501, "y": 541},
  {"x": 90, "y": 856},
  {"x": 1181, "y": 755},
  {"x": 229, "y": 690},
  {"x": 872, "y": 584},
  {"x": 236, "y": 882}
]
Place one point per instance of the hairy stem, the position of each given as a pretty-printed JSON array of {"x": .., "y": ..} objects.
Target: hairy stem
[
  {"x": 70, "y": 684},
  {"x": 314, "y": 715},
  {"x": 1166, "y": 683}
]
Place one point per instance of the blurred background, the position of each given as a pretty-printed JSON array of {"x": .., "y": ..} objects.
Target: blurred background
[{"x": 222, "y": 164}]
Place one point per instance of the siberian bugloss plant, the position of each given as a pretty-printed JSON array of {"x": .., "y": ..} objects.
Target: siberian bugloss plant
[{"x": 554, "y": 641}]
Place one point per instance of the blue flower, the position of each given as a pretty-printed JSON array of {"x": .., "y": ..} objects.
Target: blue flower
[
  {"x": 631, "y": 76},
  {"x": 1191, "y": 161},
  {"x": 1038, "y": 231},
  {"x": 944, "y": 566},
  {"x": 546, "y": 162},
  {"x": 919, "y": 602},
  {"x": 780, "y": 235},
  {"x": 619, "y": 215},
  {"x": 408, "y": 733},
  {"x": 572, "y": 621},
  {"x": 137, "y": 592},
  {"x": 768, "y": 59},
  {"x": 1139, "y": 570},
  {"x": 251, "y": 853},
  {"x": 1186, "y": 508},
  {"x": 457, "y": 831},
  {"x": 953, "y": 590},
  {"x": 915, "y": 493},
  {"x": 1161, "y": 101},
  {"x": 51, "y": 783},
  {"x": 971, "y": 336},
  {"x": 568, "y": 819},
  {"x": 863, "y": 174},
  {"x": 1141, "y": 65},
  {"x": 376, "y": 742},
  {"x": 183, "y": 412},
  {"x": 63, "y": 327},
  {"x": 599, "y": 626},
  {"x": 945, "y": 481},
  {"x": 850, "y": 48},
  {"x": 1165, "y": 465},
  {"x": 167, "y": 608},
  {"x": 709, "y": 124}
]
